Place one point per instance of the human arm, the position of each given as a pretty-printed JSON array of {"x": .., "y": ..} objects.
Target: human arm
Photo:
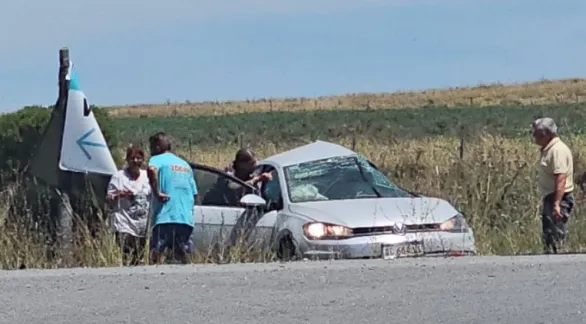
[
  {"x": 267, "y": 176},
  {"x": 153, "y": 175},
  {"x": 115, "y": 189},
  {"x": 560, "y": 186},
  {"x": 193, "y": 186},
  {"x": 561, "y": 165}
]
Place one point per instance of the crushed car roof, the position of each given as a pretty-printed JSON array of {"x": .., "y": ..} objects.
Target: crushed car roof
[{"x": 310, "y": 152}]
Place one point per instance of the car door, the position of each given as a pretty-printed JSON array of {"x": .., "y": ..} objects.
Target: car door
[
  {"x": 262, "y": 224},
  {"x": 217, "y": 206}
]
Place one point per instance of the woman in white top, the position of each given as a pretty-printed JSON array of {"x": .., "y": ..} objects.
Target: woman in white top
[{"x": 129, "y": 198}]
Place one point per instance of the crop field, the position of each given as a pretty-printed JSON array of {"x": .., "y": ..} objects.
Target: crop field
[
  {"x": 387, "y": 125},
  {"x": 471, "y": 146}
]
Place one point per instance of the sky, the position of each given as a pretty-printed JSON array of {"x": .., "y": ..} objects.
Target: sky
[{"x": 150, "y": 51}]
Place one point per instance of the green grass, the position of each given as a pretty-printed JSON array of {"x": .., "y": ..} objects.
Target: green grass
[{"x": 392, "y": 124}]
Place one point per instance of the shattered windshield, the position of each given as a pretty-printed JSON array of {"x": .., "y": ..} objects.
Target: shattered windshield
[{"x": 347, "y": 177}]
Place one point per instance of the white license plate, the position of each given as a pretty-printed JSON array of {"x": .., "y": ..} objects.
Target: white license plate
[{"x": 403, "y": 250}]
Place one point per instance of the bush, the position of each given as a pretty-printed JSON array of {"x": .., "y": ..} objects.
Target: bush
[{"x": 22, "y": 131}]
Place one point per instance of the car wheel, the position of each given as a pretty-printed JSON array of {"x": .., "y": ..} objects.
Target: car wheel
[{"x": 286, "y": 250}]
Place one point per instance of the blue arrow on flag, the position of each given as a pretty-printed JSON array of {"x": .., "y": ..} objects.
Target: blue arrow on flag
[{"x": 81, "y": 142}]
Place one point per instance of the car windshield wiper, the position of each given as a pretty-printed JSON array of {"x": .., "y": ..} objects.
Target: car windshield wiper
[{"x": 372, "y": 186}]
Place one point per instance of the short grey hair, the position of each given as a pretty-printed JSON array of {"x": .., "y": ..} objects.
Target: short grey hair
[{"x": 545, "y": 125}]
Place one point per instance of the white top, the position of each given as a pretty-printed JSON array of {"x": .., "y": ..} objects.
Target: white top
[{"x": 130, "y": 214}]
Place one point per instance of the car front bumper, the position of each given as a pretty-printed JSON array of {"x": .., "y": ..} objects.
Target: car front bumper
[{"x": 368, "y": 247}]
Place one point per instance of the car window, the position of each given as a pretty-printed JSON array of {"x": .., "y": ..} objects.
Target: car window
[
  {"x": 374, "y": 175},
  {"x": 344, "y": 177},
  {"x": 217, "y": 189}
]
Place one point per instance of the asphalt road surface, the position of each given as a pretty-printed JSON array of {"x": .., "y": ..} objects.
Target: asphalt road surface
[{"x": 532, "y": 290}]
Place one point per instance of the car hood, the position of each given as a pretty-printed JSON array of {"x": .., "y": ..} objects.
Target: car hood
[{"x": 377, "y": 211}]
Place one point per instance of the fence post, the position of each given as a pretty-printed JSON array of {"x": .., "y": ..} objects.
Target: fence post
[
  {"x": 241, "y": 141},
  {"x": 190, "y": 149},
  {"x": 462, "y": 142}
]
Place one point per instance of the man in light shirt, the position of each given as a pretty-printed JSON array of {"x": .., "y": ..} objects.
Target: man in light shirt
[{"x": 555, "y": 182}]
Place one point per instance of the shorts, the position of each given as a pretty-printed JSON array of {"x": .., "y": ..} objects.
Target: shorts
[{"x": 176, "y": 237}]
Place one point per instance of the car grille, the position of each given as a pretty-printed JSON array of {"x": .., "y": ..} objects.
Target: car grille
[{"x": 414, "y": 228}]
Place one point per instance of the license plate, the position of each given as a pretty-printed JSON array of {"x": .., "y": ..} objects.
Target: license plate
[{"x": 404, "y": 250}]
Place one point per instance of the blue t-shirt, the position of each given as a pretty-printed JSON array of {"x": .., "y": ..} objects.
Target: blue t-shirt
[{"x": 175, "y": 180}]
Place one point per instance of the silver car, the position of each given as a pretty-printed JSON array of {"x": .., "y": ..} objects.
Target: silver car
[{"x": 326, "y": 201}]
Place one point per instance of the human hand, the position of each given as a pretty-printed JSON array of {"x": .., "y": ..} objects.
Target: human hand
[
  {"x": 557, "y": 211},
  {"x": 267, "y": 176},
  {"x": 119, "y": 194},
  {"x": 162, "y": 196},
  {"x": 126, "y": 193}
]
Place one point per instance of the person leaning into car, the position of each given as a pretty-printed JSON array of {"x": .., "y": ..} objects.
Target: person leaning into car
[{"x": 243, "y": 167}]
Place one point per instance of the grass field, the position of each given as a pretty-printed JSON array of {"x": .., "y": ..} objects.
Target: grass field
[
  {"x": 385, "y": 125},
  {"x": 416, "y": 138},
  {"x": 534, "y": 93}
]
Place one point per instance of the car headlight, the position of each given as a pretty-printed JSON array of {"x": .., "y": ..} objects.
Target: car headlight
[
  {"x": 325, "y": 231},
  {"x": 456, "y": 224}
]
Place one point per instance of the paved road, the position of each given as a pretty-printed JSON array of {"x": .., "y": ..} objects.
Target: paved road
[{"x": 532, "y": 290}]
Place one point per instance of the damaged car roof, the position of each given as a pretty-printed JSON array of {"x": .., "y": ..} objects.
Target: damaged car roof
[{"x": 310, "y": 152}]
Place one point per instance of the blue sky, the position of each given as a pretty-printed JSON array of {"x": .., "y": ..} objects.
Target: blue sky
[{"x": 147, "y": 52}]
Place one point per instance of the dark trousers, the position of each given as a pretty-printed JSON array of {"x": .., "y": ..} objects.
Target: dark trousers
[
  {"x": 132, "y": 247},
  {"x": 175, "y": 238},
  {"x": 555, "y": 231}
]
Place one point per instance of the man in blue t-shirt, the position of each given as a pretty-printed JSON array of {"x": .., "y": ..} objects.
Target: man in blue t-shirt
[{"x": 174, "y": 194}]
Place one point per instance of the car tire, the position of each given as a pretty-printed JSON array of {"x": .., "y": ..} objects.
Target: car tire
[{"x": 287, "y": 250}]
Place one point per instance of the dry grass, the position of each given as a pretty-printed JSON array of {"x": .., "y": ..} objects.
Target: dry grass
[
  {"x": 535, "y": 93},
  {"x": 24, "y": 244},
  {"x": 493, "y": 184}
]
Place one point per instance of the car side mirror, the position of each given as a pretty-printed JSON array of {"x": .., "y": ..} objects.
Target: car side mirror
[{"x": 252, "y": 200}]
